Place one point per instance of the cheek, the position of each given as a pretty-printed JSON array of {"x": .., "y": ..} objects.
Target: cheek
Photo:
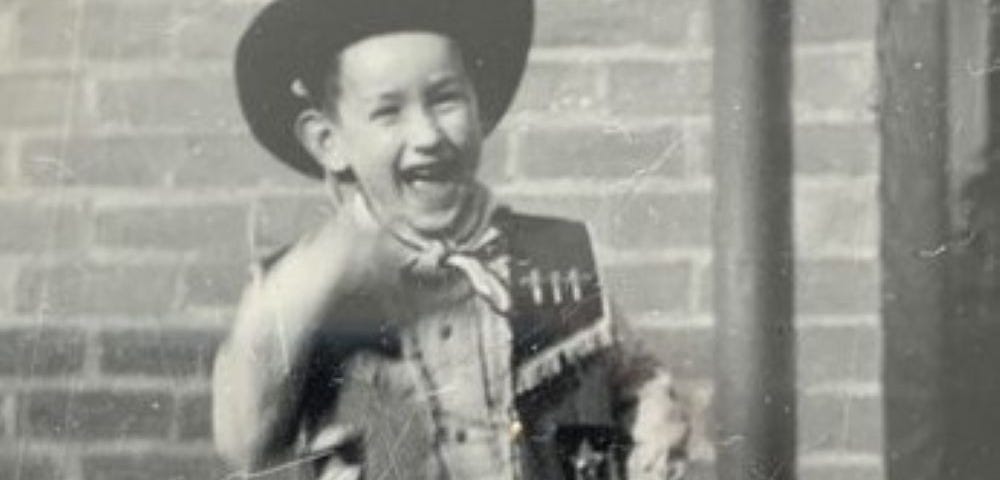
[
  {"x": 374, "y": 149},
  {"x": 462, "y": 128}
]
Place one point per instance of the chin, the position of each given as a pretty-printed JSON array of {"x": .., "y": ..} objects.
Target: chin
[{"x": 435, "y": 223}]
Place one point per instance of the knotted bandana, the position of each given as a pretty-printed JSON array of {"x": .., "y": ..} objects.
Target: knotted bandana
[{"x": 471, "y": 251}]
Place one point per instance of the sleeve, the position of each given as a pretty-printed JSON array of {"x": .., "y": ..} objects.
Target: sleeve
[
  {"x": 649, "y": 408},
  {"x": 303, "y": 313},
  {"x": 255, "y": 386}
]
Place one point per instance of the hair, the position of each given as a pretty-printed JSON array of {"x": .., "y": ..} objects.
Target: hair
[{"x": 322, "y": 84}]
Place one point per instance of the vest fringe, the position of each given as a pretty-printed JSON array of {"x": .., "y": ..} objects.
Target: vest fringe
[{"x": 579, "y": 346}]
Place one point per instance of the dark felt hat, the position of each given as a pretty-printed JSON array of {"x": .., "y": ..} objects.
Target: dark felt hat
[{"x": 290, "y": 41}]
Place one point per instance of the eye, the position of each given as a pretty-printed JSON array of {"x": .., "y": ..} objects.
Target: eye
[
  {"x": 448, "y": 99},
  {"x": 384, "y": 112}
]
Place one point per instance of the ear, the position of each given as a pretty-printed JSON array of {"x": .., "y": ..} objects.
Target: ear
[{"x": 318, "y": 135}]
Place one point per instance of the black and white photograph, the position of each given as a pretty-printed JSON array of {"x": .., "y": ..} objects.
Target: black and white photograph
[{"x": 499, "y": 239}]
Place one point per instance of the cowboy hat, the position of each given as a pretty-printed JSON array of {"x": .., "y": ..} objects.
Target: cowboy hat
[{"x": 291, "y": 40}]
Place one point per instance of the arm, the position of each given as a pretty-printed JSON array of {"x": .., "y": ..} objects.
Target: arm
[
  {"x": 649, "y": 410},
  {"x": 260, "y": 369}
]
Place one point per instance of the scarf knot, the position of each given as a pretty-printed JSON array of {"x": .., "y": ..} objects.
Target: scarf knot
[
  {"x": 478, "y": 256},
  {"x": 471, "y": 260}
]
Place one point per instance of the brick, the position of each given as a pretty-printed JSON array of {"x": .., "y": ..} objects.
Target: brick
[
  {"x": 195, "y": 417},
  {"x": 206, "y": 103},
  {"x": 836, "y": 149},
  {"x": 631, "y": 221},
  {"x": 94, "y": 415},
  {"x": 701, "y": 470},
  {"x": 650, "y": 288},
  {"x": 654, "y": 88},
  {"x": 844, "y": 219},
  {"x": 22, "y": 466},
  {"x": 557, "y": 87},
  {"x": 282, "y": 220},
  {"x": 6, "y": 423},
  {"x": 34, "y": 99},
  {"x": 96, "y": 289},
  {"x": 210, "y": 30},
  {"x": 33, "y": 228},
  {"x": 494, "y": 162},
  {"x": 39, "y": 352},
  {"x": 838, "y": 423},
  {"x": 231, "y": 160},
  {"x": 9, "y": 271},
  {"x": 7, "y": 163},
  {"x": 116, "y": 161},
  {"x": 160, "y": 352},
  {"x": 213, "y": 284},
  {"x": 601, "y": 152},
  {"x": 139, "y": 160},
  {"x": 838, "y": 354},
  {"x": 660, "y": 220},
  {"x": 201, "y": 228},
  {"x": 688, "y": 353},
  {"x": 705, "y": 284},
  {"x": 578, "y": 207},
  {"x": 616, "y": 22},
  {"x": 841, "y": 472},
  {"x": 834, "y": 81},
  {"x": 701, "y": 150},
  {"x": 825, "y": 21},
  {"x": 837, "y": 287},
  {"x": 152, "y": 466},
  {"x": 47, "y": 28},
  {"x": 126, "y": 30},
  {"x": 8, "y": 26},
  {"x": 696, "y": 396}
]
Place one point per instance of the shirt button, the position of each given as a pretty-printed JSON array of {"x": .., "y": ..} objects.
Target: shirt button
[
  {"x": 446, "y": 332},
  {"x": 515, "y": 429}
]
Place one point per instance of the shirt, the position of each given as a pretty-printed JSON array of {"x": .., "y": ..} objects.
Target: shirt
[{"x": 443, "y": 397}]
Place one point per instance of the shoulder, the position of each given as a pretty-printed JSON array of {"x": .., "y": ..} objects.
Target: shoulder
[
  {"x": 531, "y": 225},
  {"x": 547, "y": 239},
  {"x": 337, "y": 231}
]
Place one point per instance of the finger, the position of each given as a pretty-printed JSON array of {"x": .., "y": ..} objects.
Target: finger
[
  {"x": 340, "y": 471},
  {"x": 676, "y": 469},
  {"x": 334, "y": 436},
  {"x": 646, "y": 461}
]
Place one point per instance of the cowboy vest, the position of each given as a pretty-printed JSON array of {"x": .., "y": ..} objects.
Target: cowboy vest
[
  {"x": 549, "y": 409},
  {"x": 562, "y": 336}
]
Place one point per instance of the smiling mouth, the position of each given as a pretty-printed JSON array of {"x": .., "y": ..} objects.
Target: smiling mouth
[{"x": 439, "y": 173}]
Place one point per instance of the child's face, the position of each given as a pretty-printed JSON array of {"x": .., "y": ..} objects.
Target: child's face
[{"x": 407, "y": 124}]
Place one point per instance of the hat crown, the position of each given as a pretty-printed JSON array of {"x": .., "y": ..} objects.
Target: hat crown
[{"x": 290, "y": 39}]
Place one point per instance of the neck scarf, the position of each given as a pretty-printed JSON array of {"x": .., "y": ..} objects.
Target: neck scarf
[{"x": 467, "y": 250}]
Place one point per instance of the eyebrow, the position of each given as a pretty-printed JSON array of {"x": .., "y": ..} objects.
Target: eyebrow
[
  {"x": 379, "y": 97},
  {"x": 445, "y": 80}
]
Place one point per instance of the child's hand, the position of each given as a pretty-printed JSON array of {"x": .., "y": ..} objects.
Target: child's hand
[
  {"x": 330, "y": 439},
  {"x": 346, "y": 257},
  {"x": 660, "y": 433}
]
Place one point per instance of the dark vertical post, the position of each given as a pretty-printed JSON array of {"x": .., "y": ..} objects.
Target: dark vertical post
[
  {"x": 970, "y": 385},
  {"x": 912, "y": 50},
  {"x": 754, "y": 378}
]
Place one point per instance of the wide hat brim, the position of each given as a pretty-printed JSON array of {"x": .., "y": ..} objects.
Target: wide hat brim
[{"x": 289, "y": 37}]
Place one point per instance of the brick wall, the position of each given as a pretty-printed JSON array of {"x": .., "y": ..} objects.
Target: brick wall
[{"x": 132, "y": 201}]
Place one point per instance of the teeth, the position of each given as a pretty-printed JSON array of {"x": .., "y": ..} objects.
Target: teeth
[{"x": 434, "y": 172}]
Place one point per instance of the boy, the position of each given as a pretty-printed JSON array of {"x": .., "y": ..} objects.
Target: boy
[{"x": 423, "y": 331}]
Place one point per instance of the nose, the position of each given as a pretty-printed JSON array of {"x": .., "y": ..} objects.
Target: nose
[{"x": 424, "y": 131}]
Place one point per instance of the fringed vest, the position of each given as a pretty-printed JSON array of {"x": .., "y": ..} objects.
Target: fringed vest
[{"x": 563, "y": 408}]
